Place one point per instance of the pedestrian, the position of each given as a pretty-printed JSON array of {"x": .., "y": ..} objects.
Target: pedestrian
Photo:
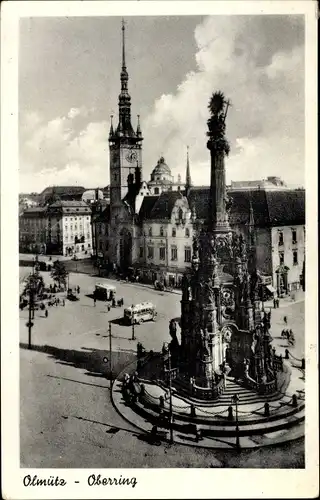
[
  {"x": 285, "y": 319},
  {"x": 78, "y": 289},
  {"x": 94, "y": 301},
  {"x": 58, "y": 300},
  {"x": 274, "y": 303},
  {"x": 278, "y": 303},
  {"x": 63, "y": 302},
  {"x": 46, "y": 313}
]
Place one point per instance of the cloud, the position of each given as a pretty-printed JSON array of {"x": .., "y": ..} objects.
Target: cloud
[
  {"x": 257, "y": 61},
  {"x": 265, "y": 124},
  {"x": 62, "y": 152}
]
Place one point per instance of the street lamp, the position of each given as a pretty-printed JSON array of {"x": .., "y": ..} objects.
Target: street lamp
[
  {"x": 31, "y": 307},
  {"x": 170, "y": 395},
  {"x": 235, "y": 399},
  {"x": 110, "y": 351},
  {"x": 133, "y": 337}
]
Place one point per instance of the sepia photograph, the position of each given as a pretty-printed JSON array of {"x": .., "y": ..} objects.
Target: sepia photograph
[{"x": 162, "y": 241}]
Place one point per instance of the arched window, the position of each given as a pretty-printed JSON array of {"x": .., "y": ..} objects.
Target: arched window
[
  {"x": 161, "y": 231},
  {"x": 187, "y": 232},
  {"x": 174, "y": 232},
  {"x": 156, "y": 190}
]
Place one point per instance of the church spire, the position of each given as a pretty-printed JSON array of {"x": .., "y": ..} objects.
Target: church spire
[
  {"x": 111, "y": 132},
  {"x": 123, "y": 45},
  {"x": 188, "y": 175},
  {"x": 138, "y": 133},
  {"x": 124, "y": 128}
]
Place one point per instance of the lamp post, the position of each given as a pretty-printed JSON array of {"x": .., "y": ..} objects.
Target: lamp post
[
  {"x": 170, "y": 395},
  {"x": 170, "y": 399},
  {"x": 235, "y": 400},
  {"x": 110, "y": 353},
  {"x": 31, "y": 307},
  {"x": 30, "y": 324},
  {"x": 133, "y": 337}
]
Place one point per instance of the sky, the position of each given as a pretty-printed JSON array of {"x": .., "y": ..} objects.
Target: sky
[{"x": 69, "y": 82}]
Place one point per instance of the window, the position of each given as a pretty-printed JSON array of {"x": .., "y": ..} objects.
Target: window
[
  {"x": 71, "y": 227},
  {"x": 187, "y": 232},
  {"x": 280, "y": 238},
  {"x": 99, "y": 229},
  {"x": 88, "y": 236},
  {"x": 150, "y": 231},
  {"x": 294, "y": 236},
  {"x": 161, "y": 231},
  {"x": 295, "y": 257},
  {"x": 100, "y": 245},
  {"x": 66, "y": 237},
  {"x": 150, "y": 252},
  {"x": 75, "y": 227},
  {"x": 66, "y": 228},
  {"x": 174, "y": 253},
  {"x": 141, "y": 252},
  {"x": 162, "y": 253},
  {"x": 87, "y": 218},
  {"x": 174, "y": 232},
  {"x": 75, "y": 218},
  {"x": 80, "y": 227},
  {"x": 156, "y": 190},
  {"x": 187, "y": 254},
  {"x": 281, "y": 258},
  {"x": 89, "y": 246}
]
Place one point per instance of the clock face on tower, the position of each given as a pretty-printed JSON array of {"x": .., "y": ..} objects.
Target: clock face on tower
[{"x": 131, "y": 156}]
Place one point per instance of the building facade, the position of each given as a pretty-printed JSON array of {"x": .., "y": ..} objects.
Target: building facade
[
  {"x": 33, "y": 225},
  {"x": 151, "y": 225},
  {"x": 61, "y": 228}
]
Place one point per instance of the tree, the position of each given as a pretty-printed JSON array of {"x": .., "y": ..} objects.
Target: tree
[
  {"x": 59, "y": 273},
  {"x": 34, "y": 283}
]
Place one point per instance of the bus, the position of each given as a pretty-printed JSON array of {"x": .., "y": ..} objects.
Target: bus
[
  {"x": 104, "y": 291},
  {"x": 139, "y": 313}
]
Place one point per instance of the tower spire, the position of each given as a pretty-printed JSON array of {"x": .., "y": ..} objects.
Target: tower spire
[
  {"x": 111, "y": 132},
  {"x": 124, "y": 128},
  {"x": 188, "y": 175},
  {"x": 123, "y": 44}
]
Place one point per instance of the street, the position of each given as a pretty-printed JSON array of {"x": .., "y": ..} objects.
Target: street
[{"x": 67, "y": 418}]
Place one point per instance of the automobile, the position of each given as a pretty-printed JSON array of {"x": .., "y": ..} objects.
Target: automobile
[
  {"x": 71, "y": 296},
  {"x": 158, "y": 285}
]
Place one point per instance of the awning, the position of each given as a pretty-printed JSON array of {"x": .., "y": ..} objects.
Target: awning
[{"x": 271, "y": 289}]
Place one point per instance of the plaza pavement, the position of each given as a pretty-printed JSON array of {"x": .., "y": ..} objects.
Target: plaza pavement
[{"x": 67, "y": 418}]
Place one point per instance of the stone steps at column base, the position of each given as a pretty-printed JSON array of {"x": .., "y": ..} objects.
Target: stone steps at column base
[
  {"x": 247, "y": 396},
  {"x": 226, "y": 428},
  {"x": 253, "y": 417}
]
